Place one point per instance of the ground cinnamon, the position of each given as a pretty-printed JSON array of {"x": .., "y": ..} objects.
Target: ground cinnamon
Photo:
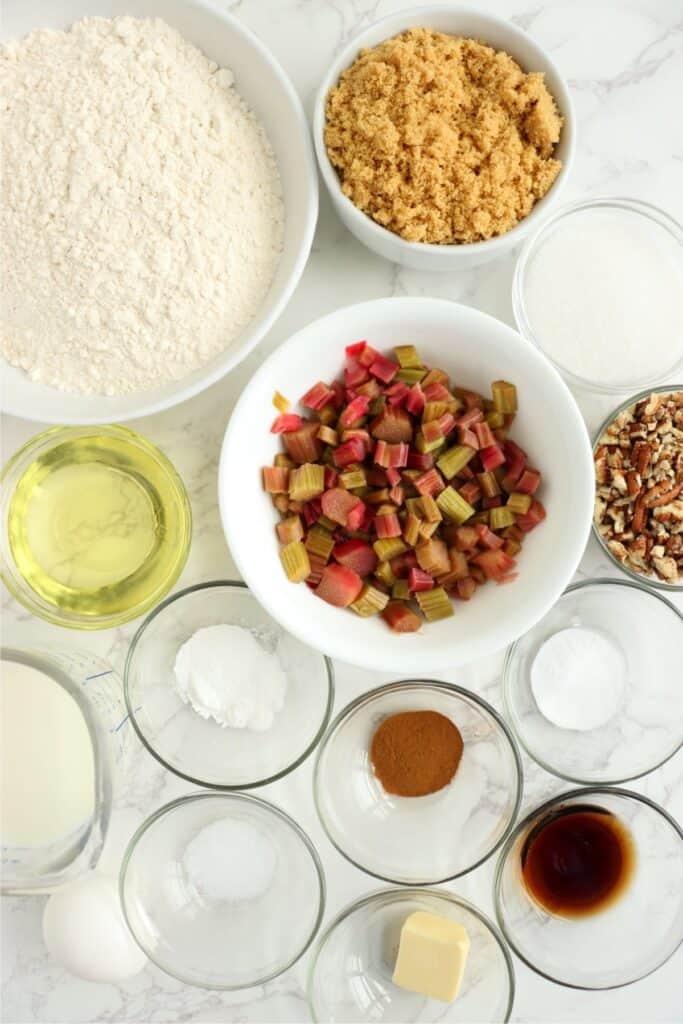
[{"x": 415, "y": 753}]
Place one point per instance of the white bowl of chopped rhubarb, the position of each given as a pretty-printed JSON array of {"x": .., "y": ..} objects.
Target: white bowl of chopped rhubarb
[{"x": 435, "y": 456}]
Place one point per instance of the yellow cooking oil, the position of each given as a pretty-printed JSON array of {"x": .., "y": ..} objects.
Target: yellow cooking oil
[{"x": 98, "y": 525}]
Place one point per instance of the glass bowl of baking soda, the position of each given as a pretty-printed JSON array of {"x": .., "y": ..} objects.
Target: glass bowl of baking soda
[
  {"x": 220, "y": 694},
  {"x": 592, "y": 692}
]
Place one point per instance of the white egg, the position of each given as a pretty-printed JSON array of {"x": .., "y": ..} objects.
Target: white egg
[{"x": 85, "y": 931}]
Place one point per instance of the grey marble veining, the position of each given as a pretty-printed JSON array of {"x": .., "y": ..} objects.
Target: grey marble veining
[{"x": 624, "y": 62}]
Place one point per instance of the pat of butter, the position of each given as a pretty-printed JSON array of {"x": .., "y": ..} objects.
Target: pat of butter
[{"x": 432, "y": 955}]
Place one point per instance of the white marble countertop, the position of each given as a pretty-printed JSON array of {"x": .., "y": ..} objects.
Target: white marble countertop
[{"x": 624, "y": 62}]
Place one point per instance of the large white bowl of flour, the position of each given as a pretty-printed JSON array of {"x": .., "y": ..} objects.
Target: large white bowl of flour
[{"x": 271, "y": 98}]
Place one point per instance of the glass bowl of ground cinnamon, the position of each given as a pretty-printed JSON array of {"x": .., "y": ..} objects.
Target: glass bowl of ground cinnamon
[
  {"x": 417, "y": 782},
  {"x": 442, "y": 135}
]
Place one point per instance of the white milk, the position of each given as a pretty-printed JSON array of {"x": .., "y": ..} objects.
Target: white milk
[{"x": 47, "y": 766}]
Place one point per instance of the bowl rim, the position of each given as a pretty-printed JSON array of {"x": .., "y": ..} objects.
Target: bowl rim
[
  {"x": 346, "y": 57},
  {"x": 236, "y": 797},
  {"x": 253, "y": 335},
  {"x": 648, "y": 581},
  {"x": 508, "y": 704},
  {"x": 380, "y": 895},
  {"x": 47, "y": 440},
  {"x": 534, "y": 813},
  {"x": 215, "y": 787},
  {"x": 383, "y": 307},
  {"x": 625, "y": 204},
  {"x": 454, "y": 691}
]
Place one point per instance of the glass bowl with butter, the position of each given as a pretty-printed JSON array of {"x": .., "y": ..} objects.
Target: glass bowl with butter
[
  {"x": 451, "y": 826},
  {"x": 411, "y": 954},
  {"x": 96, "y": 526}
]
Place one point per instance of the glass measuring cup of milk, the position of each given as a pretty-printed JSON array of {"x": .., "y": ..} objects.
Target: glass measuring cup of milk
[{"x": 65, "y": 731}]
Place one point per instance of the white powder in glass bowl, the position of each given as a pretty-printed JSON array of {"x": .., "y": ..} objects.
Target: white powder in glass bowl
[{"x": 141, "y": 215}]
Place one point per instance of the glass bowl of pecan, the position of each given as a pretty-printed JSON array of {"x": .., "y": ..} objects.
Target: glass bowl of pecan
[{"x": 638, "y": 516}]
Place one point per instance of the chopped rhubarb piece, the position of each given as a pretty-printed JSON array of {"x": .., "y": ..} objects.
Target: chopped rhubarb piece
[
  {"x": 397, "y": 494},
  {"x": 354, "y": 374},
  {"x": 290, "y": 529},
  {"x": 490, "y": 487},
  {"x": 393, "y": 475},
  {"x": 504, "y": 396},
  {"x": 433, "y": 557},
  {"x": 419, "y": 580},
  {"x": 454, "y": 460},
  {"x": 401, "y": 564},
  {"x": 339, "y": 585},
  {"x": 509, "y": 577},
  {"x": 393, "y": 456},
  {"x": 465, "y": 588},
  {"x": 491, "y": 458},
  {"x": 494, "y": 563},
  {"x": 387, "y": 525},
  {"x": 397, "y": 393},
  {"x": 459, "y": 567},
  {"x": 515, "y": 457},
  {"x": 354, "y": 411},
  {"x": 303, "y": 444},
  {"x": 281, "y": 403},
  {"x": 415, "y": 400},
  {"x": 484, "y": 435},
  {"x": 519, "y": 503},
  {"x": 331, "y": 477},
  {"x": 469, "y": 418},
  {"x": 447, "y": 422},
  {"x": 420, "y": 460},
  {"x": 275, "y": 480},
  {"x": 528, "y": 481},
  {"x": 295, "y": 561},
  {"x": 370, "y": 601},
  {"x": 468, "y": 437},
  {"x": 401, "y": 618},
  {"x": 356, "y": 519},
  {"x": 367, "y": 355},
  {"x": 466, "y": 538},
  {"x": 356, "y": 554},
  {"x": 453, "y": 506},
  {"x": 307, "y": 481},
  {"x": 338, "y": 503},
  {"x": 471, "y": 399},
  {"x": 408, "y": 357},
  {"x": 471, "y": 492},
  {"x": 501, "y": 518},
  {"x": 316, "y": 573},
  {"x": 393, "y": 425},
  {"x": 487, "y": 538},
  {"x": 435, "y": 604},
  {"x": 286, "y": 421},
  {"x": 494, "y": 502},
  {"x": 352, "y": 450},
  {"x": 384, "y": 369},
  {"x": 432, "y": 431},
  {"x": 355, "y": 349},
  {"x": 317, "y": 396},
  {"x": 430, "y": 482},
  {"x": 371, "y": 389},
  {"x": 532, "y": 518},
  {"x": 436, "y": 392}
]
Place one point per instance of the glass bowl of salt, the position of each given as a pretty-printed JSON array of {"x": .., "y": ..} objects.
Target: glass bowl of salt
[
  {"x": 598, "y": 288},
  {"x": 592, "y": 692}
]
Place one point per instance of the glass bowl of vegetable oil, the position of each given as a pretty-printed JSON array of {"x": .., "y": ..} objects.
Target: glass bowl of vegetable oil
[{"x": 96, "y": 526}]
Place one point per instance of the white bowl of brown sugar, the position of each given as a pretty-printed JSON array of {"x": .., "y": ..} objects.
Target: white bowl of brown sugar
[{"x": 443, "y": 135}]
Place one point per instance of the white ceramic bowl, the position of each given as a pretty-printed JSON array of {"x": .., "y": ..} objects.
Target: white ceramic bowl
[
  {"x": 270, "y": 94},
  {"x": 461, "y": 20},
  {"x": 475, "y": 349}
]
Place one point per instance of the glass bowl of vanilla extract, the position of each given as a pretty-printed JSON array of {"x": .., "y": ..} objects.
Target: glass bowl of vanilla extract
[{"x": 589, "y": 888}]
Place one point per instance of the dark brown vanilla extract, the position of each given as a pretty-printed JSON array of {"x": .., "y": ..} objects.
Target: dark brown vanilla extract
[{"x": 577, "y": 861}]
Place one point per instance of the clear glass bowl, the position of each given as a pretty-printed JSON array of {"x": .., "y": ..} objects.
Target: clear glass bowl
[
  {"x": 220, "y": 943},
  {"x": 647, "y": 727},
  {"x": 418, "y": 840},
  {"x": 96, "y": 688},
  {"x": 671, "y": 234},
  {"x": 350, "y": 977},
  {"x": 176, "y": 539},
  {"x": 652, "y": 580},
  {"x": 199, "y": 749},
  {"x": 629, "y": 939}
]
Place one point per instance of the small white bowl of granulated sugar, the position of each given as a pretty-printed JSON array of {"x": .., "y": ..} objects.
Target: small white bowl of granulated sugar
[{"x": 160, "y": 208}]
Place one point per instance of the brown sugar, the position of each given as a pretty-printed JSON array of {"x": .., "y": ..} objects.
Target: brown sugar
[
  {"x": 442, "y": 139},
  {"x": 415, "y": 753}
]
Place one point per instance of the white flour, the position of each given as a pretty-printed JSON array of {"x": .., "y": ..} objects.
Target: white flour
[{"x": 141, "y": 212}]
